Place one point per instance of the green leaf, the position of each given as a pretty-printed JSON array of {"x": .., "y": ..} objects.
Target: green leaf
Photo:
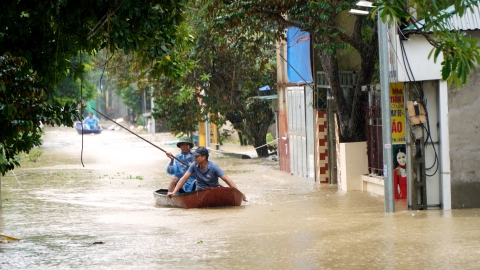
[{"x": 446, "y": 69}]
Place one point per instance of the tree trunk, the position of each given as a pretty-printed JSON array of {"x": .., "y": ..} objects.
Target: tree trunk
[
  {"x": 258, "y": 130},
  {"x": 369, "y": 54},
  {"x": 351, "y": 119},
  {"x": 254, "y": 126},
  {"x": 259, "y": 141},
  {"x": 330, "y": 67}
]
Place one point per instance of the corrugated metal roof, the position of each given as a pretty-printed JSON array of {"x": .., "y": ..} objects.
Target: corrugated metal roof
[{"x": 469, "y": 21}]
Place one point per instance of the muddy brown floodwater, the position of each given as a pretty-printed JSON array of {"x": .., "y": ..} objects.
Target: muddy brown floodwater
[{"x": 102, "y": 216}]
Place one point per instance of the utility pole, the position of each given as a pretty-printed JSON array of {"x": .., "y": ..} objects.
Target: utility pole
[
  {"x": 385, "y": 104},
  {"x": 386, "y": 121}
]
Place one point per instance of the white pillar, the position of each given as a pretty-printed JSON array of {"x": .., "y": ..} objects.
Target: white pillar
[{"x": 444, "y": 137}]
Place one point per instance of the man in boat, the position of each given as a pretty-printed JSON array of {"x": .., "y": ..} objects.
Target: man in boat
[
  {"x": 205, "y": 171},
  {"x": 177, "y": 169},
  {"x": 90, "y": 122}
]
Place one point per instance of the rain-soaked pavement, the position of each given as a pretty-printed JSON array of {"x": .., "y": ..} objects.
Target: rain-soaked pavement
[{"x": 59, "y": 209}]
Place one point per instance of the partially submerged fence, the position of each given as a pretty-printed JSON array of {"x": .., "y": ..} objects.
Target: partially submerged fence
[
  {"x": 323, "y": 101},
  {"x": 374, "y": 132}
]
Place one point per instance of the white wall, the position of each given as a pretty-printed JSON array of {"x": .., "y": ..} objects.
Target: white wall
[
  {"x": 353, "y": 164},
  {"x": 417, "y": 50}
]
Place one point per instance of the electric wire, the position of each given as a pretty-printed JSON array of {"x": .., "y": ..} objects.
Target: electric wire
[{"x": 420, "y": 94}]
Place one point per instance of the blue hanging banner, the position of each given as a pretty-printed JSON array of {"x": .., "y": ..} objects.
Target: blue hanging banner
[{"x": 299, "y": 68}]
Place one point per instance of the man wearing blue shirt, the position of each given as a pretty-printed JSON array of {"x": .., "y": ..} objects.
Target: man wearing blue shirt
[
  {"x": 90, "y": 122},
  {"x": 206, "y": 173},
  {"x": 177, "y": 169}
]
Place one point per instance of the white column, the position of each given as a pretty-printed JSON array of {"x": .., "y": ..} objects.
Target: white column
[{"x": 444, "y": 137}]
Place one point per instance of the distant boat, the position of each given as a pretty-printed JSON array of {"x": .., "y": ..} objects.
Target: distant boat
[
  {"x": 205, "y": 198},
  {"x": 78, "y": 127}
]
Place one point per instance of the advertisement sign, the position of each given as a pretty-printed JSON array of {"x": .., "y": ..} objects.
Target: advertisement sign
[{"x": 397, "y": 113}]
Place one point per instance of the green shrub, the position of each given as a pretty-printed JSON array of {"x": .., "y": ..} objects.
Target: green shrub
[
  {"x": 271, "y": 147},
  {"x": 141, "y": 120},
  {"x": 34, "y": 155}
]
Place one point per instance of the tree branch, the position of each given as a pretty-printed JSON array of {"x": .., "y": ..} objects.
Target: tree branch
[
  {"x": 278, "y": 15},
  {"x": 102, "y": 21}
]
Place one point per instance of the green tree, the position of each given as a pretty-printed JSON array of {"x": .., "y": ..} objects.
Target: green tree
[
  {"x": 177, "y": 104},
  {"x": 43, "y": 36},
  {"x": 131, "y": 97},
  {"x": 24, "y": 106},
  {"x": 229, "y": 68},
  {"x": 333, "y": 32},
  {"x": 232, "y": 63},
  {"x": 69, "y": 88},
  {"x": 174, "y": 102},
  {"x": 215, "y": 73}
]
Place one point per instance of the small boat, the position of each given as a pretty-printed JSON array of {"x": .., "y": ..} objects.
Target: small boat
[
  {"x": 78, "y": 127},
  {"x": 205, "y": 198}
]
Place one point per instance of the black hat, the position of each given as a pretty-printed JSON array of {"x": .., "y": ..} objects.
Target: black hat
[{"x": 201, "y": 151}]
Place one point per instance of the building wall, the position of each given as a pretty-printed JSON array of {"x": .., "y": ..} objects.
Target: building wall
[
  {"x": 417, "y": 50},
  {"x": 465, "y": 141},
  {"x": 464, "y": 135}
]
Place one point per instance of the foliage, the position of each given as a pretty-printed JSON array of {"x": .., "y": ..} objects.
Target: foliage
[
  {"x": 131, "y": 97},
  {"x": 141, "y": 120},
  {"x": 178, "y": 106},
  {"x": 271, "y": 146},
  {"x": 460, "y": 52},
  {"x": 49, "y": 33},
  {"x": 24, "y": 105},
  {"x": 212, "y": 75},
  {"x": 225, "y": 134},
  {"x": 69, "y": 88},
  {"x": 331, "y": 30},
  {"x": 44, "y": 36},
  {"x": 34, "y": 155},
  {"x": 164, "y": 75},
  {"x": 232, "y": 63}
]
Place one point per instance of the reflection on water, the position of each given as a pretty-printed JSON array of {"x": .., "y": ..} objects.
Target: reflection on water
[{"x": 60, "y": 209}]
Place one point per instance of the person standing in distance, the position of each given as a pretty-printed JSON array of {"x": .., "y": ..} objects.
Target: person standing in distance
[
  {"x": 177, "y": 169},
  {"x": 205, "y": 171}
]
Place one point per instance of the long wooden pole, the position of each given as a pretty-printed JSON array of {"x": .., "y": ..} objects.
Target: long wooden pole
[{"x": 179, "y": 160}]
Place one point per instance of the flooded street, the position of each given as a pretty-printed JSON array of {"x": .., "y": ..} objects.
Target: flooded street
[{"x": 59, "y": 209}]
